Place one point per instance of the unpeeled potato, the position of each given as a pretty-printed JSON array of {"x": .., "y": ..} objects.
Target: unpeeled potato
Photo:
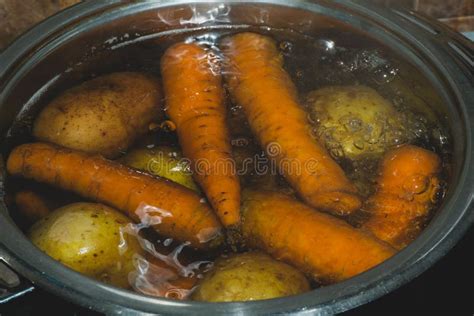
[
  {"x": 356, "y": 122},
  {"x": 87, "y": 237},
  {"x": 103, "y": 115},
  {"x": 248, "y": 277},
  {"x": 163, "y": 161}
]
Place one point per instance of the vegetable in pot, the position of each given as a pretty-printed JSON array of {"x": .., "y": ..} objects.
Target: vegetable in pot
[
  {"x": 174, "y": 210},
  {"x": 103, "y": 115},
  {"x": 247, "y": 277},
  {"x": 195, "y": 103},
  {"x": 163, "y": 161},
  {"x": 355, "y": 122},
  {"x": 325, "y": 247},
  {"x": 259, "y": 83},
  {"x": 407, "y": 188},
  {"x": 89, "y": 238}
]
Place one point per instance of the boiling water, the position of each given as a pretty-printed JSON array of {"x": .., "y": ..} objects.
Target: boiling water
[{"x": 331, "y": 58}]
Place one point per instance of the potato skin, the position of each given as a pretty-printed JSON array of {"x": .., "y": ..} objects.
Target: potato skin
[
  {"x": 103, "y": 115},
  {"x": 163, "y": 161},
  {"x": 355, "y": 122},
  {"x": 86, "y": 238},
  {"x": 247, "y": 277}
]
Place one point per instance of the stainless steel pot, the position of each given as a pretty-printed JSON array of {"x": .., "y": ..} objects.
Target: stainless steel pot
[{"x": 49, "y": 49}]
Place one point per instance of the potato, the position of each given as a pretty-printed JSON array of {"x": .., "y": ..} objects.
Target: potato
[
  {"x": 163, "y": 161},
  {"x": 249, "y": 276},
  {"x": 87, "y": 237},
  {"x": 103, "y": 115},
  {"x": 355, "y": 121}
]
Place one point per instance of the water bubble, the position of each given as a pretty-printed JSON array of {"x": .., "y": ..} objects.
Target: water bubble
[
  {"x": 311, "y": 117},
  {"x": 316, "y": 133},
  {"x": 337, "y": 152},
  {"x": 437, "y": 195},
  {"x": 353, "y": 125},
  {"x": 416, "y": 184},
  {"x": 207, "y": 39},
  {"x": 328, "y": 46},
  {"x": 398, "y": 101},
  {"x": 440, "y": 137},
  {"x": 286, "y": 47},
  {"x": 373, "y": 139},
  {"x": 235, "y": 108},
  {"x": 384, "y": 74},
  {"x": 359, "y": 144}
]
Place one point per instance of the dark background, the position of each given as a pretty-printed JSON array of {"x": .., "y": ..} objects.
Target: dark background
[{"x": 447, "y": 288}]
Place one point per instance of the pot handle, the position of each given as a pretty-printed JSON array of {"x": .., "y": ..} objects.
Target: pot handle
[{"x": 11, "y": 284}]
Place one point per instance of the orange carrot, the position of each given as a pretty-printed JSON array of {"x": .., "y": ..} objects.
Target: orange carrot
[
  {"x": 32, "y": 205},
  {"x": 323, "y": 246},
  {"x": 195, "y": 103},
  {"x": 143, "y": 197},
  {"x": 407, "y": 188},
  {"x": 258, "y": 82}
]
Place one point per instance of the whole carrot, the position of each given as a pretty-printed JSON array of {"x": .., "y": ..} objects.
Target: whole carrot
[
  {"x": 195, "y": 103},
  {"x": 258, "y": 82},
  {"x": 173, "y": 210},
  {"x": 407, "y": 188},
  {"x": 326, "y": 247}
]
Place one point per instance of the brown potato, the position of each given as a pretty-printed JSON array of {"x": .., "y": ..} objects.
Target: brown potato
[
  {"x": 103, "y": 115},
  {"x": 247, "y": 277},
  {"x": 87, "y": 237}
]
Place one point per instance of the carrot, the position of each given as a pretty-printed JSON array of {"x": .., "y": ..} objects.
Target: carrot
[
  {"x": 258, "y": 82},
  {"x": 319, "y": 244},
  {"x": 32, "y": 205},
  {"x": 142, "y": 197},
  {"x": 407, "y": 188},
  {"x": 195, "y": 103}
]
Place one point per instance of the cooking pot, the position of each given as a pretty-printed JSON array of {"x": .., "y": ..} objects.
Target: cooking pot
[{"x": 41, "y": 59}]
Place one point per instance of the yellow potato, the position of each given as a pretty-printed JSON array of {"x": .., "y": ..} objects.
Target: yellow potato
[
  {"x": 87, "y": 237},
  {"x": 247, "y": 277},
  {"x": 103, "y": 115},
  {"x": 163, "y": 161},
  {"x": 355, "y": 121}
]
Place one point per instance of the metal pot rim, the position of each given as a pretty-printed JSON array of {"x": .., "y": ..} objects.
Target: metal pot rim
[{"x": 417, "y": 257}]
